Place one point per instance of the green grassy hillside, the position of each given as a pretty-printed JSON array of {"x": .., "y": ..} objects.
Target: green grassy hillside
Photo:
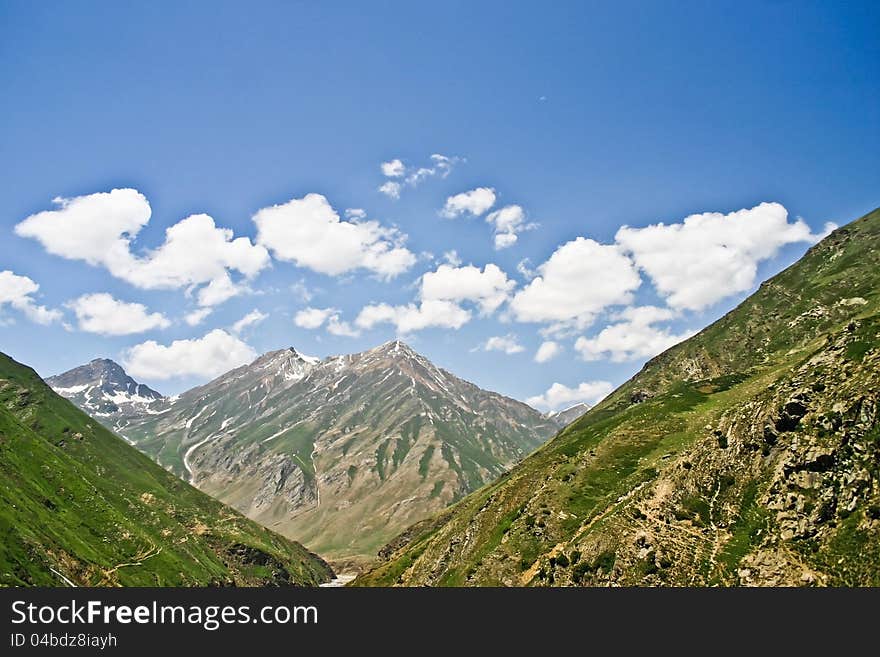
[
  {"x": 747, "y": 455},
  {"x": 80, "y": 506}
]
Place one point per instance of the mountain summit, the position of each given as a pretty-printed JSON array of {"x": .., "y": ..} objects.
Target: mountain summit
[
  {"x": 343, "y": 452},
  {"x": 103, "y": 390}
]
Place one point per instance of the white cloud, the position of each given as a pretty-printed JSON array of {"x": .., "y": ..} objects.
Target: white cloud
[
  {"x": 355, "y": 213},
  {"x": 508, "y": 222},
  {"x": 548, "y": 350},
  {"x": 18, "y": 291},
  {"x": 391, "y": 189},
  {"x": 506, "y": 343},
  {"x": 393, "y": 169},
  {"x": 219, "y": 290},
  {"x": 312, "y": 318},
  {"x": 560, "y": 396},
  {"x": 209, "y": 356},
  {"x": 101, "y": 313},
  {"x": 505, "y": 240},
  {"x": 508, "y": 219},
  {"x": 196, "y": 317},
  {"x": 96, "y": 228},
  {"x": 488, "y": 288},
  {"x": 474, "y": 202},
  {"x": 441, "y": 294},
  {"x": 633, "y": 338},
  {"x": 452, "y": 258},
  {"x": 409, "y": 318},
  {"x": 579, "y": 280},
  {"x": 196, "y": 251},
  {"x": 335, "y": 326},
  {"x": 309, "y": 232},
  {"x": 253, "y": 318},
  {"x": 524, "y": 267},
  {"x": 709, "y": 256},
  {"x": 440, "y": 166},
  {"x": 99, "y": 229}
]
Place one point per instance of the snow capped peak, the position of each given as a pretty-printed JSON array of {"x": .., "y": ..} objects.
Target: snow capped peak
[
  {"x": 395, "y": 349},
  {"x": 288, "y": 363},
  {"x": 311, "y": 360},
  {"x": 102, "y": 387}
]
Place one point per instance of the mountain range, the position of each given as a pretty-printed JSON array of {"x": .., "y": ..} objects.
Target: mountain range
[
  {"x": 80, "y": 507},
  {"x": 341, "y": 453},
  {"x": 748, "y": 454}
]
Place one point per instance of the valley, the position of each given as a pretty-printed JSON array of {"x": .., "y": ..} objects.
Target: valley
[{"x": 341, "y": 453}]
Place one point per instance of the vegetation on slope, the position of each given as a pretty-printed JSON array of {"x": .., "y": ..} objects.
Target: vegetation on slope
[
  {"x": 342, "y": 454},
  {"x": 747, "y": 455},
  {"x": 79, "y": 506}
]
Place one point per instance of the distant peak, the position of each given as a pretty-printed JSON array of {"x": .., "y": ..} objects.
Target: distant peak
[
  {"x": 281, "y": 356},
  {"x": 395, "y": 346},
  {"x": 104, "y": 361}
]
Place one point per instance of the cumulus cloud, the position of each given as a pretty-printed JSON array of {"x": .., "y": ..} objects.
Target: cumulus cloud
[
  {"x": 393, "y": 169},
  {"x": 219, "y": 290},
  {"x": 506, "y": 343},
  {"x": 198, "y": 316},
  {"x": 632, "y": 338},
  {"x": 440, "y": 166},
  {"x": 99, "y": 229},
  {"x": 452, "y": 258},
  {"x": 253, "y": 318},
  {"x": 18, "y": 292},
  {"x": 487, "y": 288},
  {"x": 338, "y": 327},
  {"x": 441, "y": 295},
  {"x": 309, "y": 233},
  {"x": 548, "y": 350},
  {"x": 579, "y": 280},
  {"x": 560, "y": 396},
  {"x": 313, "y": 318},
  {"x": 207, "y": 357},
  {"x": 508, "y": 222},
  {"x": 96, "y": 228},
  {"x": 709, "y": 256},
  {"x": 101, "y": 313},
  {"x": 524, "y": 267},
  {"x": 391, "y": 189},
  {"x": 475, "y": 202},
  {"x": 355, "y": 213},
  {"x": 412, "y": 317}
]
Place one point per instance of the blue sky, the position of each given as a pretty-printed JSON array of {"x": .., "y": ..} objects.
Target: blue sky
[{"x": 587, "y": 116}]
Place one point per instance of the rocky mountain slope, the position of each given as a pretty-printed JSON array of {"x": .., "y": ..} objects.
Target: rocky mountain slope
[
  {"x": 568, "y": 415},
  {"x": 78, "y": 506},
  {"x": 103, "y": 390},
  {"x": 342, "y": 453},
  {"x": 746, "y": 455}
]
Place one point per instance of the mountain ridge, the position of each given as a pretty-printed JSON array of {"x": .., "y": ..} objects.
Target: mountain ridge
[
  {"x": 745, "y": 455},
  {"x": 340, "y": 452}
]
